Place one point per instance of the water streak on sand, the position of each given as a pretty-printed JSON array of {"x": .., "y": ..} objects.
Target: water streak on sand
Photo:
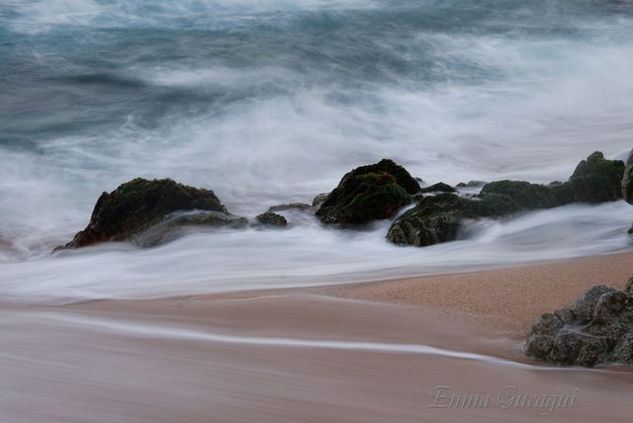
[{"x": 147, "y": 330}]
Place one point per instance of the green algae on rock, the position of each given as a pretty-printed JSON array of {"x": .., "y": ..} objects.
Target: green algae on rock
[
  {"x": 369, "y": 193},
  {"x": 438, "y": 219},
  {"x": 138, "y": 204}
]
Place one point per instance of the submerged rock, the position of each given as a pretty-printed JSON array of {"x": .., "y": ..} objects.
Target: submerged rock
[
  {"x": 272, "y": 219},
  {"x": 596, "y": 330},
  {"x": 439, "y": 187},
  {"x": 176, "y": 224},
  {"x": 289, "y": 206},
  {"x": 368, "y": 193},
  {"x": 139, "y": 204},
  {"x": 319, "y": 199},
  {"x": 439, "y": 219},
  {"x": 471, "y": 184}
]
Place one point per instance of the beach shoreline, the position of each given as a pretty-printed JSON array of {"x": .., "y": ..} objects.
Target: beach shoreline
[{"x": 366, "y": 352}]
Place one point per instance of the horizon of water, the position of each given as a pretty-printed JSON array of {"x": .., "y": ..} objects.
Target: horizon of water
[{"x": 272, "y": 102}]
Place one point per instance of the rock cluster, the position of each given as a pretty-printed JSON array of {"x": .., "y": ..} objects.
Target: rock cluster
[
  {"x": 595, "y": 330},
  {"x": 439, "y": 219},
  {"x": 150, "y": 212}
]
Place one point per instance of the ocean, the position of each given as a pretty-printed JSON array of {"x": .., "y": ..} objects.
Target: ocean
[{"x": 272, "y": 101}]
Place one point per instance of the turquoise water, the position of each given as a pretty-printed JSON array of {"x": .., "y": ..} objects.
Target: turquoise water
[{"x": 273, "y": 101}]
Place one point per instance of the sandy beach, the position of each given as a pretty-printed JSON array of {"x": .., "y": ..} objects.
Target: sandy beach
[{"x": 442, "y": 349}]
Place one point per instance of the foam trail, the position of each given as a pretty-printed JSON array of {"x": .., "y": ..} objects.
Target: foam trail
[{"x": 166, "y": 332}]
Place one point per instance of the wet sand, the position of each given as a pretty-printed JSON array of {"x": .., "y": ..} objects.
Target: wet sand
[{"x": 375, "y": 352}]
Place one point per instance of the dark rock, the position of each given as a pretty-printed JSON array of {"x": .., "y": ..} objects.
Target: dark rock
[
  {"x": 627, "y": 180},
  {"x": 439, "y": 220},
  {"x": 596, "y": 330},
  {"x": 596, "y": 180},
  {"x": 368, "y": 193},
  {"x": 289, "y": 206},
  {"x": 593, "y": 350},
  {"x": 565, "y": 347},
  {"x": 608, "y": 307},
  {"x": 623, "y": 352},
  {"x": 584, "y": 307},
  {"x": 629, "y": 286},
  {"x": 272, "y": 219},
  {"x": 439, "y": 187},
  {"x": 138, "y": 204},
  {"x": 528, "y": 196},
  {"x": 547, "y": 324},
  {"x": 538, "y": 345}
]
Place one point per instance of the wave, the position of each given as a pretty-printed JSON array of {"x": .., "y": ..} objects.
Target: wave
[{"x": 272, "y": 102}]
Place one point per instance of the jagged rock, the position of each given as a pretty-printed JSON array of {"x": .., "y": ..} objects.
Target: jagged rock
[
  {"x": 289, "y": 206},
  {"x": 137, "y": 205},
  {"x": 272, "y": 219},
  {"x": 368, "y": 193},
  {"x": 439, "y": 187},
  {"x": 439, "y": 220},
  {"x": 597, "y": 329},
  {"x": 627, "y": 180}
]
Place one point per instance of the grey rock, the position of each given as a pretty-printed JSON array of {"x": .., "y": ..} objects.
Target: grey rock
[{"x": 597, "y": 329}]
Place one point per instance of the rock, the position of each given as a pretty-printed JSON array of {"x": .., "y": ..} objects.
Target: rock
[
  {"x": 627, "y": 180},
  {"x": 584, "y": 307},
  {"x": 439, "y": 187},
  {"x": 596, "y": 180},
  {"x": 528, "y": 196},
  {"x": 289, "y": 206},
  {"x": 596, "y": 330},
  {"x": 138, "y": 204},
  {"x": 369, "y": 193},
  {"x": 176, "y": 224},
  {"x": 470, "y": 184},
  {"x": 272, "y": 219},
  {"x": 439, "y": 220}
]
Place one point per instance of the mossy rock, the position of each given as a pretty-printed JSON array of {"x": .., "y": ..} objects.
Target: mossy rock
[
  {"x": 527, "y": 195},
  {"x": 138, "y": 204},
  {"x": 368, "y": 193},
  {"x": 438, "y": 218},
  {"x": 272, "y": 219}
]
